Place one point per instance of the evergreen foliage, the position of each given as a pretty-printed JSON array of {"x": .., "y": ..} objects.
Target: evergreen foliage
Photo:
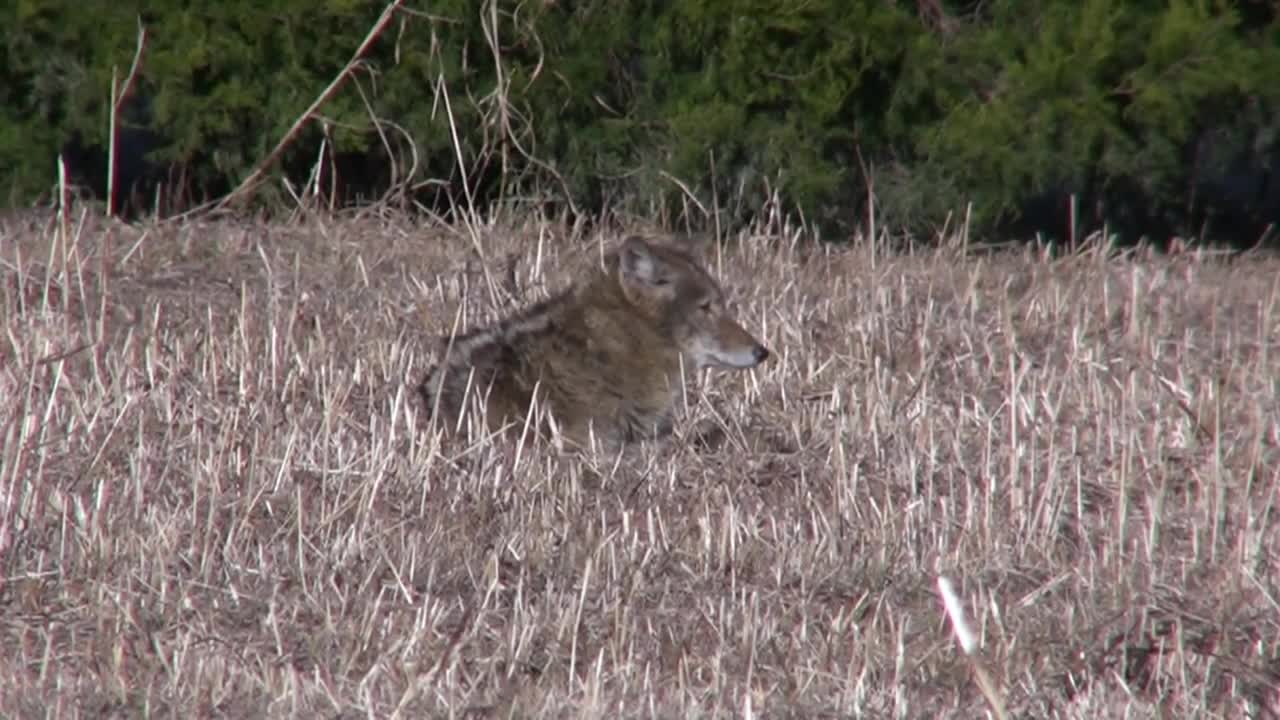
[{"x": 1135, "y": 107}]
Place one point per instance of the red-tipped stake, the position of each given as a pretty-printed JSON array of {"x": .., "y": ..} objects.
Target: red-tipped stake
[{"x": 968, "y": 643}]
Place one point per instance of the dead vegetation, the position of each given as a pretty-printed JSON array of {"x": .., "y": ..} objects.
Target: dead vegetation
[{"x": 218, "y": 496}]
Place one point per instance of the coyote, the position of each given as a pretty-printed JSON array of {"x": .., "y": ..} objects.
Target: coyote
[{"x": 605, "y": 356}]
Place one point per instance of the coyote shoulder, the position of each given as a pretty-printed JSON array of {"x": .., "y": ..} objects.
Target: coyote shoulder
[{"x": 604, "y": 356}]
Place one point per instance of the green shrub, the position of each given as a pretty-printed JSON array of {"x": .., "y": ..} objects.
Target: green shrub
[
  {"x": 632, "y": 102},
  {"x": 1103, "y": 93}
]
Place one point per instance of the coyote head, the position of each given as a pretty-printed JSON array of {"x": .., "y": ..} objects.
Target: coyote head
[{"x": 672, "y": 290}]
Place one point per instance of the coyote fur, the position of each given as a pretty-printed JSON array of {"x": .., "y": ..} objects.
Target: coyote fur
[{"x": 604, "y": 357}]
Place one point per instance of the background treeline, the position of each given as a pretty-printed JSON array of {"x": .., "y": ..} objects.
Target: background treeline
[{"x": 1158, "y": 117}]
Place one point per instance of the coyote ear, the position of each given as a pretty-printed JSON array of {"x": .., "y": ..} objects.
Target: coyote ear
[
  {"x": 638, "y": 263},
  {"x": 696, "y": 245}
]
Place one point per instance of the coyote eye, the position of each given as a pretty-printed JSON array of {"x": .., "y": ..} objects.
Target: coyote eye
[{"x": 705, "y": 306}]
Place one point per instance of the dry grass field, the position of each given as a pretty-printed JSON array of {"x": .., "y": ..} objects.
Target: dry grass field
[{"x": 219, "y": 496}]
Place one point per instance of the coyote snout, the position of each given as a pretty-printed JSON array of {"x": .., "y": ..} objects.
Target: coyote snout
[
  {"x": 724, "y": 343},
  {"x": 607, "y": 355}
]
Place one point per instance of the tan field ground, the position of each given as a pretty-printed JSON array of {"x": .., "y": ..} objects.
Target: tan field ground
[{"x": 219, "y": 496}]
